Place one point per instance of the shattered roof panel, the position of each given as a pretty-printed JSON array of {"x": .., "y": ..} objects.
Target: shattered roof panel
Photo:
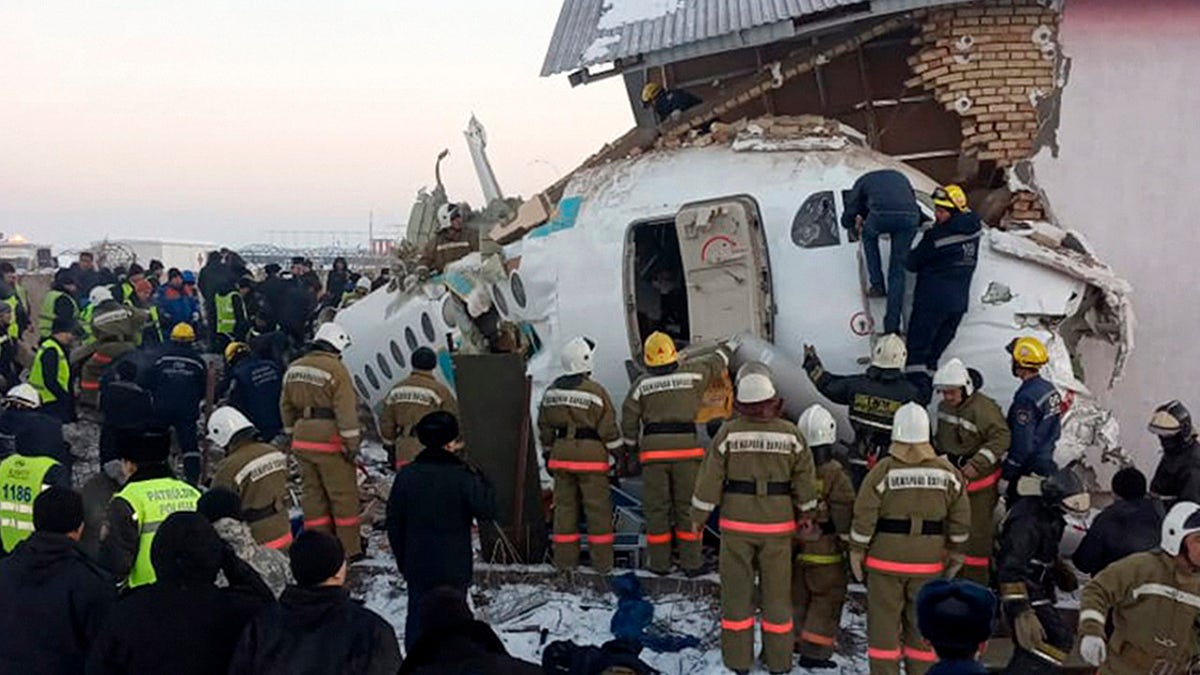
[{"x": 600, "y": 31}]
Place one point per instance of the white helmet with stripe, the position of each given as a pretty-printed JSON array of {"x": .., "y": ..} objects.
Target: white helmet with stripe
[
  {"x": 224, "y": 423},
  {"x": 952, "y": 375},
  {"x": 817, "y": 426},
  {"x": 1182, "y": 520},
  {"x": 577, "y": 356},
  {"x": 911, "y": 424}
]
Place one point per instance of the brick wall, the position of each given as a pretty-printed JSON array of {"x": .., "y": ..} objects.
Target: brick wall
[{"x": 990, "y": 62}]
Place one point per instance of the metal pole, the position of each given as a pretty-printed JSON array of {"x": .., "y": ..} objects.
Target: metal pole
[{"x": 519, "y": 533}]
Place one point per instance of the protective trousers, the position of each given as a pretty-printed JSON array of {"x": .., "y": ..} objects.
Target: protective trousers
[
  {"x": 588, "y": 492},
  {"x": 818, "y": 591},
  {"x": 979, "y": 548},
  {"x": 667, "y": 503},
  {"x": 743, "y": 558},
  {"x": 892, "y": 632},
  {"x": 1047, "y": 659},
  {"x": 901, "y": 228},
  {"x": 930, "y": 330},
  {"x": 329, "y": 496}
]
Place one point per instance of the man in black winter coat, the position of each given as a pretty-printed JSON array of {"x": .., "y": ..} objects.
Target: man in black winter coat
[
  {"x": 1129, "y": 525},
  {"x": 433, "y": 502},
  {"x": 182, "y": 624},
  {"x": 1177, "y": 478},
  {"x": 317, "y": 628},
  {"x": 452, "y": 641},
  {"x": 55, "y": 598}
]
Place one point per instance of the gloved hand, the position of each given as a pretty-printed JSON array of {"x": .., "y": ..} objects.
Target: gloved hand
[
  {"x": 1028, "y": 631},
  {"x": 1064, "y": 576},
  {"x": 811, "y": 360},
  {"x": 857, "y": 556},
  {"x": 954, "y": 564},
  {"x": 1093, "y": 650}
]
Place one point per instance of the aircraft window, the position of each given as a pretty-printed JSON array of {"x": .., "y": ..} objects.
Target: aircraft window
[
  {"x": 383, "y": 366},
  {"x": 816, "y": 223},
  {"x": 427, "y": 326},
  {"x": 397, "y": 355},
  {"x": 371, "y": 377},
  {"x": 501, "y": 303},
  {"x": 518, "y": 289},
  {"x": 448, "y": 311},
  {"x": 411, "y": 338},
  {"x": 362, "y": 387}
]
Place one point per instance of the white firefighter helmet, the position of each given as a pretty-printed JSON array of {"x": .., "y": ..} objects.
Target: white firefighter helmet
[
  {"x": 99, "y": 294},
  {"x": 577, "y": 356},
  {"x": 224, "y": 423},
  {"x": 1183, "y": 519},
  {"x": 24, "y": 395},
  {"x": 817, "y": 426},
  {"x": 333, "y": 335},
  {"x": 755, "y": 388},
  {"x": 911, "y": 424},
  {"x": 952, "y": 375},
  {"x": 363, "y": 283},
  {"x": 890, "y": 352},
  {"x": 751, "y": 367},
  {"x": 446, "y": 214}
]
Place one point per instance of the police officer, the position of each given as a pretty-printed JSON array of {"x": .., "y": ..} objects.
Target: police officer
[
  {"x": 411, "y": 399},
  {"x": 944, "y": 262},
  {"x": 819, "y": 577},
  {"x": 10, "y": 369},
  {"x": 113, "y": 328},
  {"x": 18, "y": 301},
  {"x": 1177, "y": 476},
  {"x": 257, "y": 472},
  {"x": 51, "y": 371},
  {"x": 760, "y": 472},
  {"x": 58, "y": 304},
  {"x": 23, "y": 476},
  {"x": 1033, "y": 417},
  {"x": 151, "y": 493},
  {"x": 911, "y": 519},
  {"x": 232, "y": 322},
  {"x": 252, "y": 385},
  {"x": 955, "y": 616},
  {"x": 577, "y": 427},
  {"x": 1028, "y": 570},
  {"x": 320, "y": 412},
  {"x": 973, "y": 434},
  {"x": 25, "y": 430},
  {"x": 659, "y": 419},
  {"x": 873, "y": 398},
  {"x": 177, "y": 382},
  {"x": 450, "y": 243},
  {"x": 1154, "y": 601}
]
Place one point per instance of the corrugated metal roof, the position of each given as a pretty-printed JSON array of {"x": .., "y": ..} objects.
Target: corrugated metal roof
[{"x": 692, "y": 27}]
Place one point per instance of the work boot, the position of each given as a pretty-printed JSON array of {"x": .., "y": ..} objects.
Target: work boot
[
  {"x": 816, "y": 664},
  {"x": 698, "y": 571},
  {"x": 877, "y": 292}
]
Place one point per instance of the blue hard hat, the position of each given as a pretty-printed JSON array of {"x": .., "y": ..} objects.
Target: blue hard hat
[{"x": 189, "y": 277}]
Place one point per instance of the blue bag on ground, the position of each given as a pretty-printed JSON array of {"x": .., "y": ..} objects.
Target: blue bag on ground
[{"x": 635, "y": 615}]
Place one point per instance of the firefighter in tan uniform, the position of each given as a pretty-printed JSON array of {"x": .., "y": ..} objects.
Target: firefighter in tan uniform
[
  {"x": 819, "y": 577},
  {"x": 760, "y": 472},
  {"x": 320, "y": 413},
  {"x": 658, "y": 419},
  {"x": 451, "y": 242},
  {"x": 257, "y": 472},
  {"x": 973, "y": 434},
  {"x": 411, "y": 399},
  {"x": 113, "y": 328},
  {"x": 577, "y": 426},
  {"x": 1154, "y": 600},
  {"x": 911, "y": 518}
]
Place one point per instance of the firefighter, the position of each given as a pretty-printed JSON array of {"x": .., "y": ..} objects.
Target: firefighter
[
  {"x": 23, "y": 476},
  {"x": 178, "y": 381},
  {"x": 578, "y": 429},
  {"x": 668, "y": 104},
  {"x": 411, "y": 399},
  {"x": 819, "y": 576},
  {"x": 1178, "y": 474},
  {"x": 1029, "y": 570},
  {"x": 873, "y": 399},
  {"x": 257, "y": 472},
  {"x": 658, "y": 419},
  {"x": 252, "y": 384},
  {"x": 320, "y": 412},
  {"x": 96, "y": 296},
  {"x": 112, "y": 328},
  {"x": 760, "y": 473},
  {"x": 151, "y": 493},
  {"x": 1153, "y": 599},
  {"x": 51, "y": 371},
  {"x": 147, "y": 312},
  {"x": 450, "y": 243},
  {"x": 973, "y": 434},
  {"x": 911, "y": 518},
  {"x": 26, "y": 430},
  {"x": 1033, "y": 417},
  {"x": 58, "y": 303}
]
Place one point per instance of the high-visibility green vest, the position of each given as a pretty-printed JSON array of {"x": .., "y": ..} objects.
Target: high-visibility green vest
[
  {"x": 226, "y": 321},
  {"x": 125, "y": 293},
  {"x": 21, "y": 481},
  {"x": 152, "y": 501},
  {"x": 154, "y": 325},
  {"x": 46, "y": 318},
  {"x": 38, "y": 379},
  {"x": 14, "y": 331},
  {"x": 85, "y": 318}
]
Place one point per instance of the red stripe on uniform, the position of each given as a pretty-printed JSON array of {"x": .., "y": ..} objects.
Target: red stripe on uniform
[
  {"x": 280, "y": 543},
  {"x": 400, "y": 464},
  {"x": 318, "y": 522},
  {"x": 737, "y": 626},
  {"x": 565, "y": 538},
  {"x": 984, "y": 483},
  {"x": 975, "y": 561},
  {"x": 817, "y": 639},
  {"x": 778, "y": 628},
  {"x": 317, "y": 446},
  {"x": 883, "y": 654},
  {"x": 684, "y": 535},
  {"x": 757, "y": 528},
  {"x": 101, "y": 358},
  {"x": 585, "y": 467},
  {"x": 346, "y": 522},
  {"x": 658, "y": 538},
  {"x": 904, "y": 568},
  {"x": 923, "y": 655},
  {"x": 89, "y": 385},
  {"x": 667, "y": 455},
  {"x": 602, "y": 539}
]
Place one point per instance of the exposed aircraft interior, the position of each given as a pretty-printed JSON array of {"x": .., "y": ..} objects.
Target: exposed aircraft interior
[{"x": 659, "y": 293}]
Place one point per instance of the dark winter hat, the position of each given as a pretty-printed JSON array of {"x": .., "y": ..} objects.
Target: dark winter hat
[
  {"x": 443, "y": 608},
  {"x": 315, "y": 557},
  {"x": 174, "y": 272},
  {"x": 7, "y": 267},
  {"x": 64, "y": 278},
  {"x": 955, "y": 614},
  {"x": 135, "y": 269},
  {"x": 1129, "y": 483},
  {"x": 144, "y": 446},
  {"x": 424, "y": 359},
  {"x": 64, "y": 324},
  {"x": 156, "y": 265},
  {"x": 245, "y": 282},
  {"x": 220, "y": 503},
  {"x": 58, "y": 510},
  {"x": 187, "y": 550},
  {"x": 272, "y": 268},
  {"x": 437, "y": 429},
  {"x": 298, "y": 260}
]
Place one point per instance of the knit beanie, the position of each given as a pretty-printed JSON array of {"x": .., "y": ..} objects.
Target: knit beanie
[
  {"x": 220, "y": 503},
  {"x": 143, "y": 446},
  {"x": 315, "y": 557},
  {"x": 1129, "y": 483},
  {"x": 57, "y": 510},
  {"x": 437, "y": 429},
  {"x": 424, "y": 359}
]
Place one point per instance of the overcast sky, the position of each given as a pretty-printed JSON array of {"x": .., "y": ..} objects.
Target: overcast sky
[{"x": 219, "y": 120}]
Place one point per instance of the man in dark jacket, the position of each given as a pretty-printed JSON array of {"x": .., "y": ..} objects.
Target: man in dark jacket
[
  {"x": 433, "y": 502},
  {"x": 944, "y": 262},
  {"x": 1129, "y": 525},
  {"x": 297, "y": 306},
  {"x": 177, "y": 382},
  {"x": 55, "y": 598},
  {"x": 1177, "y": 477},
  {"x": 667, "y": 102},
  {"x": 273, "y": 288},
  {"x": 59, "y": 304},
  {"x": 26, "y": 430},
  {"x": 956, "y": 617},
  {"x": 253, "y": 384},
  {"x": 181, "y": 624},
  {"x": 317, "y": 629},
  {"x": 10, "y": 369},
  {"x": 453, "y": 641},
  {"x": 51, "y": 371},
  {"x": 883, "y": 202}
]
